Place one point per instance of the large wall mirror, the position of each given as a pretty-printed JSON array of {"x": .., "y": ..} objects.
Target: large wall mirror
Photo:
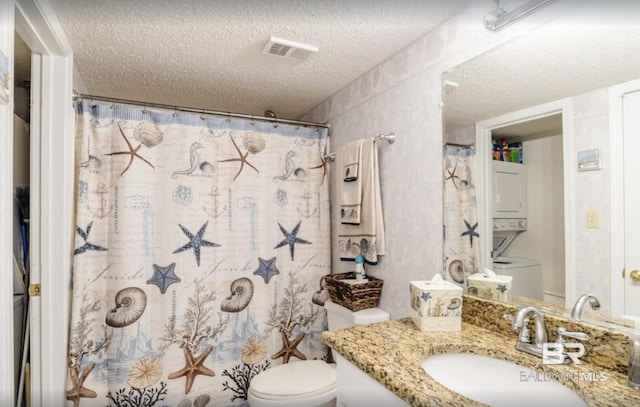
[{"x": 549, "y": 91}]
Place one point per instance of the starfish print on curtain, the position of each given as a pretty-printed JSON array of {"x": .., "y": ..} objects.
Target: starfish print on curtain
[
  {"x": 163, "y": 277},
  {"x": 193, "y": 367},
  {"x": 78, "y": 390},
  {"x": 85, "y": 236},
  {"x": 471, "y": 231},
  {"x": 133, "y": 153},
  {"x": 291, "y": 239},
  {"x": 323, "y": 165},
  {"x": 289, "y": 348},
  {"x": 266, "y": 269},
  {"x": 242, "y": 158},
  {"x": 452, "y": 176},
  {"x": 195, "y": 242}
]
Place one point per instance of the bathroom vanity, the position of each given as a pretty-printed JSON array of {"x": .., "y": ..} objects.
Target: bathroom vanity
[{"x": 391, "y": 354}]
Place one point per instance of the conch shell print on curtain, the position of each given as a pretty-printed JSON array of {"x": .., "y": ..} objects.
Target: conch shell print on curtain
[{"x": 200, "y": 248}]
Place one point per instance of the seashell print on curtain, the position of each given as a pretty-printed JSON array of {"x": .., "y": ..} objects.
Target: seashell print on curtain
[
  {"x": 200, "y": 249},
  {"x": 461, "y": 248}
]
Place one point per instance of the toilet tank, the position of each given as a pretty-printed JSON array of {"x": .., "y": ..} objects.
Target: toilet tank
[{"x": 339, "y": 317}]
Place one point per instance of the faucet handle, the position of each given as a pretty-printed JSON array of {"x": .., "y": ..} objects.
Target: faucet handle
[
  {"x": 525, "y": 332},
  {"x": 562, "y": 333}
]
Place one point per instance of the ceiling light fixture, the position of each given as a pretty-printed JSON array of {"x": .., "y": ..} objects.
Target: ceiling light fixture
[{"x": 500, "y": 17}]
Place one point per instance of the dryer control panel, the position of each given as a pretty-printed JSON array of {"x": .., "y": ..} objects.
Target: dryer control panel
[{"x": 509, "y": 225}]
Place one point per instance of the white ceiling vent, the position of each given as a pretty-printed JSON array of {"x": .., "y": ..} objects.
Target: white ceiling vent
[{"x": 288, "y": 49}]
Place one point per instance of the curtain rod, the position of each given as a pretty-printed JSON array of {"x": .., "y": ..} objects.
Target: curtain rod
[
  {"x": 391, "y": 138},
  {"x": 77, "y": 95},
  {"x": 459, "y": 145}
]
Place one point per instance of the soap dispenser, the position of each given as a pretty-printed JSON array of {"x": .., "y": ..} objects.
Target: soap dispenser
[
  {"x": 634, "y": 360},
  {"x": 360, "y": 267}
]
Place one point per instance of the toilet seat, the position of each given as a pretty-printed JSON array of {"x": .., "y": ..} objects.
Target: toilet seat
[{"x": 296, "y": 382}]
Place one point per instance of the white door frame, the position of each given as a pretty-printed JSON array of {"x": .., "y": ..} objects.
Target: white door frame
[
  {"x": 484, "y": 189},
  {"x": 616, "y": 94},
  {"x": 51, "y": 192},
  {"x": 6, "y": 213}
]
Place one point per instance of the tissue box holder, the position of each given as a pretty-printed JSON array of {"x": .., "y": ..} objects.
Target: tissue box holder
[
  {"x": 356, "y": 297},
  {"x": 436, "y": 307},
  {"x": 493, "y": 288}
]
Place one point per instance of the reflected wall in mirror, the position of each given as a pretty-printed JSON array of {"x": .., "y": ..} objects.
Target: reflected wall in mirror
[{"x": 550, "y": 91}]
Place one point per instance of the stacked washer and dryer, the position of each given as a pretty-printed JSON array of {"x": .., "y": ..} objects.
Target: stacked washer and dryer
[{"x": 509, "y": 220}]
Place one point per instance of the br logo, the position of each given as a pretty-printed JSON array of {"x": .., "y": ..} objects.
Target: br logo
[{"x": 556, "y": 353}]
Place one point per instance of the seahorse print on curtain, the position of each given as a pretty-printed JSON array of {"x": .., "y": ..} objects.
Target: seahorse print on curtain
[{"x": 200, "y": 250}]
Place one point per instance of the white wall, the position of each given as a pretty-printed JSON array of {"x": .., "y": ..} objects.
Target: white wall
[{"x": 79, "y": 85}]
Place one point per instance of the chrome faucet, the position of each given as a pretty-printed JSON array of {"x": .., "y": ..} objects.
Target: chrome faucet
[
  {"x": 576, "y": 312},
  {"x": 524, "y": 339}
]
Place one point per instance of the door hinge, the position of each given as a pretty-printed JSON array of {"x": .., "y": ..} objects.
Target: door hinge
[{"x": 34, "y": 290}]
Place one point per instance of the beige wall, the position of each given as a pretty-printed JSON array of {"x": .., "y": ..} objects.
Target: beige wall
[{"x": 590, "y": 122}]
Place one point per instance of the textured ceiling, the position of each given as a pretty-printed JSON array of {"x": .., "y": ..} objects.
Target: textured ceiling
[
  {"x": 207, "y": 54},
  {"x": 598, "y": 46}
]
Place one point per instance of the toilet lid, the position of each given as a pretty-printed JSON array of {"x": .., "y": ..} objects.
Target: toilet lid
[{"x": 295, "y": 378}]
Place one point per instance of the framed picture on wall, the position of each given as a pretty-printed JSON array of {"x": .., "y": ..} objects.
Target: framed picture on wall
[{"x": 589, "y": 160}]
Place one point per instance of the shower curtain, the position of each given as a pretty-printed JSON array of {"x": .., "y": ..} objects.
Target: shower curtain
[
  {"x": 461, "y": 248},
  {"x": 200, "y": 249}
]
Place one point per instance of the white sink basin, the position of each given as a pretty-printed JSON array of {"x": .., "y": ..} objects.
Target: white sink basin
[{"x": 497, "y": 382}]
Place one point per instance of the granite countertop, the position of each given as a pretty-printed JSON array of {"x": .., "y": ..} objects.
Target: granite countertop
[{"x": 391, "y": 353}]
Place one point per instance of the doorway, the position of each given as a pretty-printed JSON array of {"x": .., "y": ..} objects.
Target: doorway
[
  {"x": 21, "y": 218},
  {"x": 542, "y": 243},
  {"x": 543, "y": 131},
  {"x": 51, "y": 196},
  {"x": 625, "y": 197}
]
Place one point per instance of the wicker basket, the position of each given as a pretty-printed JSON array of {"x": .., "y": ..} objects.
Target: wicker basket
[{"x": 356, "y": 297}]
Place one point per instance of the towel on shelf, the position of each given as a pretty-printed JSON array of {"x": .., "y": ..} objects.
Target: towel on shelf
[
  {"x": 348, "y": 160},
  {"x": 367, "y": 237}
]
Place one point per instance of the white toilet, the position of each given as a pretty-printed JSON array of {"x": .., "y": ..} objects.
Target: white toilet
[{"x": 309, "y": 383}]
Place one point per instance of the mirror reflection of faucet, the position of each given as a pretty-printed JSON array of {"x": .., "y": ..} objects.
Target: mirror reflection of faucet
[{"x": 576, "y": 312}]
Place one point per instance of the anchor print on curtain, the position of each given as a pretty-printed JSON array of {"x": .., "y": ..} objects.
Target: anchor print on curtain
[
  {"x": 461, "y": 248},
  {"x": 200, "y": 250}
]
